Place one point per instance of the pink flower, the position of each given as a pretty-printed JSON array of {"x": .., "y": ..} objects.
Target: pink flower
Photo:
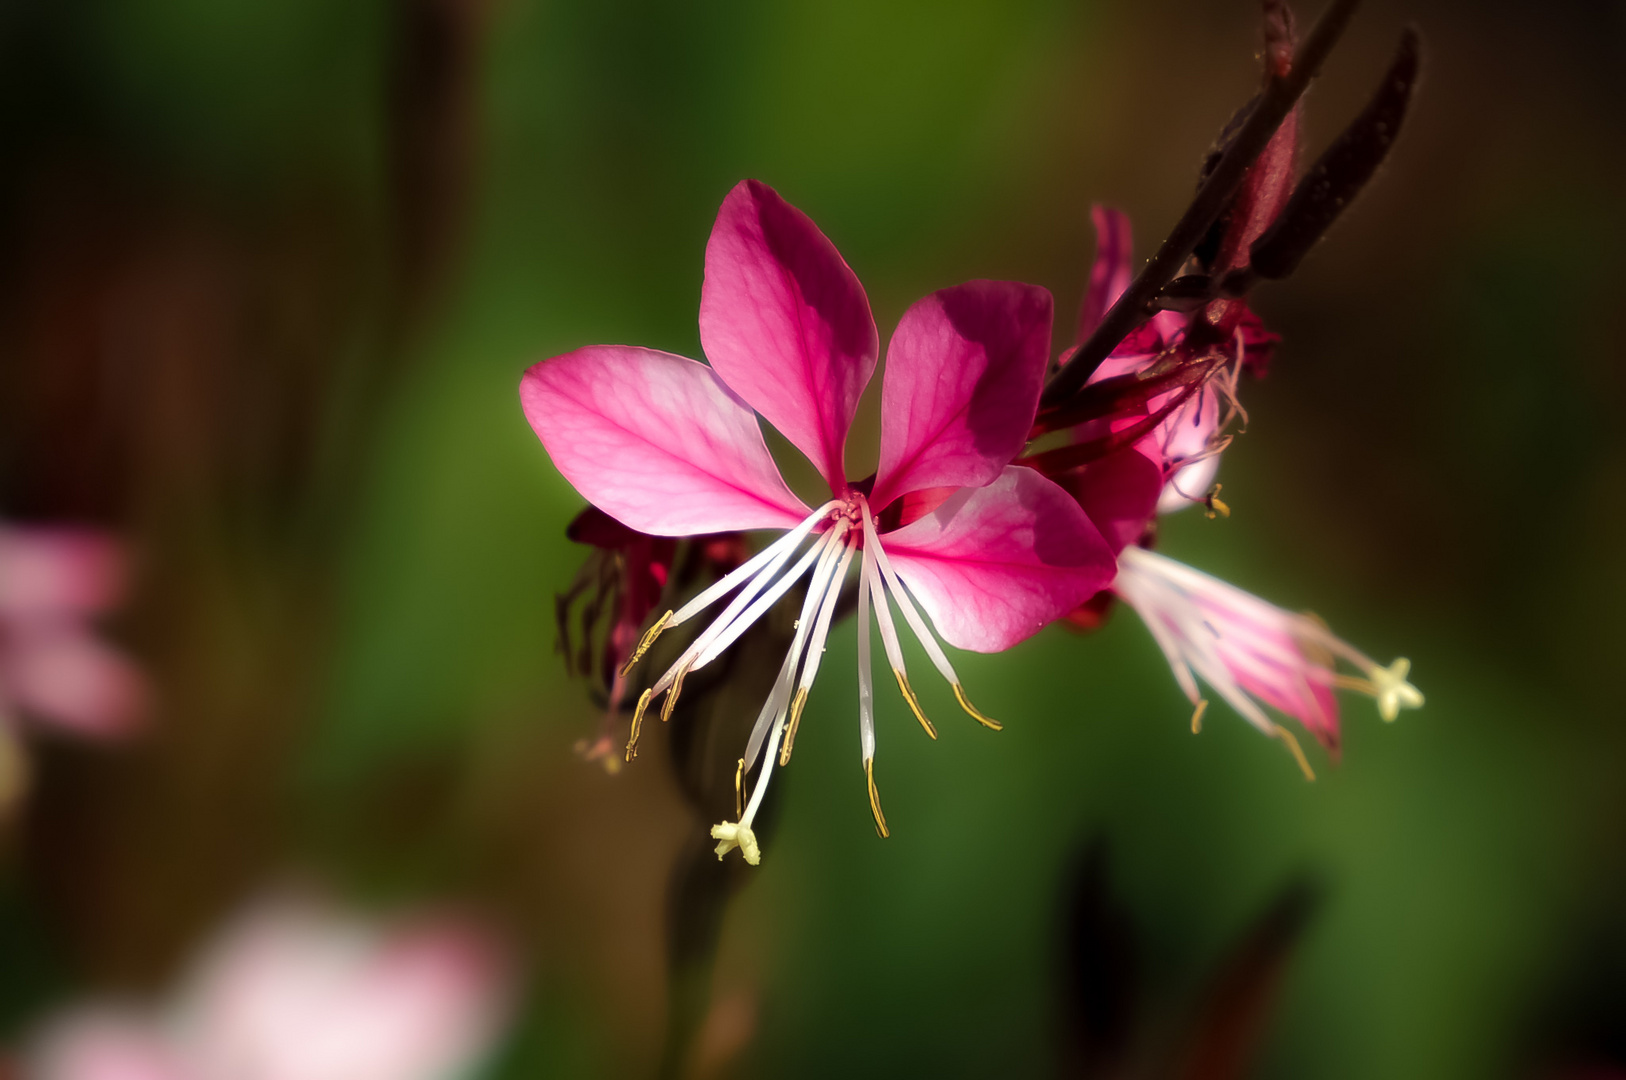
[
  {"x": 1155, "y": 450},
  {"x": 1184, "y": 367},
  {"x": 53, "y": 582},
  {"x": 671, "y": 447},
  {"x": 1253, "y": 653},
  {"x": 291, "y": 993}
]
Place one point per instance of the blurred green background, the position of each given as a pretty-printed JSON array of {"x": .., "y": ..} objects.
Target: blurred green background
[{"x": 271, "y": 273}]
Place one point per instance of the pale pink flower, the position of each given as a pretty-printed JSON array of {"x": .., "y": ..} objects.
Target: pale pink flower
[
  {"x": 294, "y": 993},
  {"x": 54, "y": 670},
  {"x": 53, "y": 582},
  {"x": 1166, "y": 396},
  {"x": 1252, "y": 653},
  {"x": 672, "y": 447}
]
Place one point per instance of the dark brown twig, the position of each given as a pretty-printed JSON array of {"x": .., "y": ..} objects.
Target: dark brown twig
[{"x": 1280, "y": 94}]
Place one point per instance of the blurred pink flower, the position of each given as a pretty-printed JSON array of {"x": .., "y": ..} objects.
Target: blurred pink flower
[
  {"x": 53, "y": 582},
  {"x": 671, "y": 447},
  {"x": 293, "y": 993}
]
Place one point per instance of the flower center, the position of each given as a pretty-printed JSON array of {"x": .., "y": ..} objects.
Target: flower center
[{"x": 841, "y": 530}]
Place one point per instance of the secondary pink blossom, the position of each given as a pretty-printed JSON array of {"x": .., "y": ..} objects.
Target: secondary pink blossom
[
  {"x": 1252, "y": 653},
  {"x": 295, "y": 993},
  {"x": 1193, "y": 411},
  {"x": 672, "y": 447},
  {"x": 1161, "y": 446}
]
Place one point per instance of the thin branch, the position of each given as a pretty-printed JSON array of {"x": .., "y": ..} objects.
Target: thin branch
[{"x": 1281, "y": 93}]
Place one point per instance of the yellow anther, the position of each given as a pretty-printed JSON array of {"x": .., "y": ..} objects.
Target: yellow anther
[
  {"x": 1197, "y": 716},
  {"x": 1297, "y": 752},
  {"x": 1216, "y": 508},
  {"x": 965, "y": 703},
  {"x": 638, "y": 722},
  {"x": 645, "y": 642},
  {"x": 914, "y": 702},
  {"x": 736, "y": 834},
  {"x": 875, "y": 799},
  {"x": 739, "y": 789},
  {"x": 672, "y": 695},
  {"x": 796, "y": 705}
]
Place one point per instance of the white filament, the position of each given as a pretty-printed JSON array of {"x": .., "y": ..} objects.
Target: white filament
[
  {"x": 928, "y": 640},
  {"x": 778, "y": 552},
  {"x": 866, "y": 682}
]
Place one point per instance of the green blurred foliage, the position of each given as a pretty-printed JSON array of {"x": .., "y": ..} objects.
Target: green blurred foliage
[{"x": 1433, "y": 466}]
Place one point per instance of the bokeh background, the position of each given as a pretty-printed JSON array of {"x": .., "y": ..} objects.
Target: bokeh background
[{"x": 271, "y": 271}]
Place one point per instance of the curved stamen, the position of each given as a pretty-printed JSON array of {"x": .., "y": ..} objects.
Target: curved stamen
[
  {"x": 866, "y": 682},
  {"x": 779, "y": 549},
  {"x": 825, "y": 583},
  {"x": 779, "y": 699},
  {"x": 768, "y": 599},
  {"x": 815, "y": 646},
  {"x": 889, "y": 638},
  {"x": 927, "y": 639}
]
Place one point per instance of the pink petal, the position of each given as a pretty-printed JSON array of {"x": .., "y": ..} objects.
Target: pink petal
[
  {"x": 786, "y": 324},
  {"x": 656, "y": 441},
  {"x": 64, "y": 675},
  {"x": 1112, "y": 271},
  {"x": 1119, "y": 493},
  {"x": 52, "y": 571},
  {"x": 993, "y": 565},
  {"x": 963, "y": 374}
]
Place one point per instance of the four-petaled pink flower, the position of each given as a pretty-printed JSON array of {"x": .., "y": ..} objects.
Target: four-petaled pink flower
[
  {"x": 293, "y": 992},
  {"x": 672, "y": 447},
  {"x": 53, "y": 581}
]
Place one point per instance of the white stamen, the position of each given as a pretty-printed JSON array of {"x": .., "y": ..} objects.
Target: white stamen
[
  {"x": 776, "y": 555},
  {"x": 823, "y": 589},
  {"x": 866, "y": 683},
  {"x": 821, "y": 632},
  {"x": 928, "y": 640},
  {"x": 778, "y": 551},
  {"x": 771, "y": 597},
  {"x": 731, "y": 623},
  {"x": 779, "y": 699},
  {"x": 883, "y": 610}
]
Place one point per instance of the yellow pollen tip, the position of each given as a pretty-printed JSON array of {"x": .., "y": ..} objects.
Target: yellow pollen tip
[
  {"x": 1197, "y": 716},
  {"x": 914, "y": 702},
  {"x": 1297, "y": 751},
  {"x": 796, "y": 706},
  {"x": 672, "y": 695},
  {"x": 1216, "y": 508},
  {"x": 875, "y": 799},
  {"x": 638, "y": 722},
  {"x": 739, "y": 789},
  {"x": 646, "y": 641},
  {"x": 965, "y": 703}
]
